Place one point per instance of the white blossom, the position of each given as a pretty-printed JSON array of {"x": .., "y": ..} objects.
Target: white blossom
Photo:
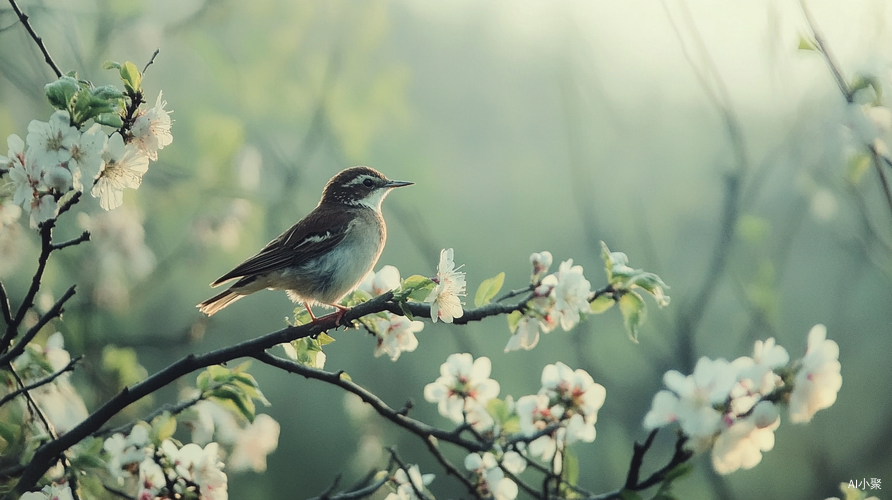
[
  {"x": 540, "y": 261},
  {"x": 463, "y": 390},
  {"x": 526, "y": 336},
  {"x": 51, "y": 142},
  {"x": 396, "y": 335},
  {"x": 386, "y": 279},
  {"x": 407, "y": 484},
  {"x": 740, "y": 444},
  {"x": 151, "y": 129},
  {"x": 571, "y": 294},
  {"x": 86, "y": 157},
  {"x": 818, "y": 380},
  {"x": 444, "y": 298},
  {"x": 200, "y": 465},
  {"x": 254, "y": 443},
  {"x": 491, "y": 480},
  {"x": 123, "y": 452},
  {"x": 151, "y": 479},
  {"x": 51, "y": 491},
  {"x": 692, "y": 400},
  {"x": 124, "y": 168}
]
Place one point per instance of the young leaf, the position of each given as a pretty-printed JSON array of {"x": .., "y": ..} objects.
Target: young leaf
[
  {"x": 488, "y": 289},
  {"x": 131, "y": 77},
  {"x": 807, "y": 43},
  {"x": 61, "y": 92},
  {"x": 235, "y": 399},
  {"x": 163, "y": 427},
  {"x": 513, "y": 319},
  {"x": 632, "y": 306},
  {"x": 415, "y": 287},
  {"x": 601, "y": 304}
]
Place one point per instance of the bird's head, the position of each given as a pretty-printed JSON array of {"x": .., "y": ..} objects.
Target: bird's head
[{"x": 359, "y": 186}]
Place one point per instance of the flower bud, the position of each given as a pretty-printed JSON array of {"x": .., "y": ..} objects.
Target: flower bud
[{"x": 540, "y": 261}]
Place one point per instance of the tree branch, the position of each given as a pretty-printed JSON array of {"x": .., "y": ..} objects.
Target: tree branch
[
  {"x": 46, "y": 454},
  {"x": 336, "y": 378},
  {"x": 46, "y": 380},
  {"x": 38, "y": 40},
  {"x": 54, "y": 312}
]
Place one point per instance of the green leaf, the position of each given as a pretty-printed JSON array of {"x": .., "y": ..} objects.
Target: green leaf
[
  {"x": 110, "y": 65},
  {"x": 513, "y": 320},
  {"x": 601, "y": 304},
  {"x": 235, "y": 399},
  {"x": 488, "y": 289},
  {"x": 807, "y": 43},
  {"x": 112, "y": 120},
  {"x": 61, "y": 92},
  {"x": 415, "y": 287},
  {"x": 9, "y": 432},
  {"x": 219, "y": 373},
  {"x": 203, "y": 382},
  {"x": 309, "y": 352},
  {"x": 131, "y": 77},
  {"x": 163, "y": 427},
  {"x": 862, "y": 82},
  {"x": 631, "y": 305},
  {"x": 857, "y": 165}
]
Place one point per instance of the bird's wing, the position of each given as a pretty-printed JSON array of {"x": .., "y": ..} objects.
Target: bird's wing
[{"x": 298, "y": 244}]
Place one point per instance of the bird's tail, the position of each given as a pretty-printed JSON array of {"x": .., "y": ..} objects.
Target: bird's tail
[{"x": 219, "y": 301}]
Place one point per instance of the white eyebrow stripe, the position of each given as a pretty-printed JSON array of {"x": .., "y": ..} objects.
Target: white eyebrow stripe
[{"x": 358, "y": 180}]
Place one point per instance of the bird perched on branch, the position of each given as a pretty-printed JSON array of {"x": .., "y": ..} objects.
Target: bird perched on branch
[{"x": 326, "y": 254}]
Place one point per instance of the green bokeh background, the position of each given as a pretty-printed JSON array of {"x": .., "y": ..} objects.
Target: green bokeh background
[{"x": 526, "y": 126}]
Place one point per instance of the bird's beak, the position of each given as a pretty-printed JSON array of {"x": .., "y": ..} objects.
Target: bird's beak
[{"x": 396, "y": 184}]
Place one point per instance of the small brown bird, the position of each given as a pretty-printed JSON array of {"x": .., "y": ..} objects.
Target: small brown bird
[{"x": 326, "y": 254}]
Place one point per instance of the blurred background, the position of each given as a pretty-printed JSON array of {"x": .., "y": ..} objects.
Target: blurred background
[{"x": 693, "y": 136}]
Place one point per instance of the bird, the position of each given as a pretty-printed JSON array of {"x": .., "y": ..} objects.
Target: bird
[{"x": 325, "y": 255}]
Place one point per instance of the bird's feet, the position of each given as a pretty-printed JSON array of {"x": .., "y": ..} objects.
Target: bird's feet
[{"x": 338, "y": 315}]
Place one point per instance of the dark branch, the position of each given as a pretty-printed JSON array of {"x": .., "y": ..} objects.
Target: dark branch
[
  {"x": 54, "y": 312},
  {"x": 38, "y": 40},
  {"x": 46, "y": 380},
  {"x": 336, "y": 378},
  {"x": 84, "y": 237},
  {"x": 46, "y": 454}
]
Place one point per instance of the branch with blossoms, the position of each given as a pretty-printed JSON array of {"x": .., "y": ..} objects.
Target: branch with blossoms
[{"x": 101, "y": 140}]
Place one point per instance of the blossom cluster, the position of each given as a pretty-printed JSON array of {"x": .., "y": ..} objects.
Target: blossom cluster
[
  {"x": 563, "y": 412},
  {"x": 567, "y": 404},
  {"x": 559, "y": 298},
  {"x": 463, "y": 390},
  {"x": 732, "y": 407},
  {"x": 160, "y": 469},
  {"x": 395, "y": 334},
  {"x": 56, "y": 158},
  {"x": 248, "y": 443},
  {"x": 408, "y": 483}
]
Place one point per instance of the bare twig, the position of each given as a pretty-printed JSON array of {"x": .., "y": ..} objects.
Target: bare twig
[
  {"x": 452, "y": 470},
  {"x": 54, "y": 312},
  {"x": 37, "y": 39},
  {"x": 46, "y": 380},
  {"x": 84, "y": 237},
  {"x": 151, "y": 61}
]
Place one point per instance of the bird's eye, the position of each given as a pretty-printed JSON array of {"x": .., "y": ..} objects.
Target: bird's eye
[{"x": 368, "y": 183}]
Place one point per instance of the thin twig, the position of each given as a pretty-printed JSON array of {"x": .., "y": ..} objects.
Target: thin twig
[
  {"x": 452, "y": 470},
  {"x": 46, "y": 55},
  {"x": 84, "y": 237},
  {"x": 46, "y": 380},
  {"x": 172, "y": 409},
  {"x": 33, "y": 405},
  {"x": 151, "y": 61},
  {"x": 54, "y": 312},
  {"x": 835, "y": 68}
]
